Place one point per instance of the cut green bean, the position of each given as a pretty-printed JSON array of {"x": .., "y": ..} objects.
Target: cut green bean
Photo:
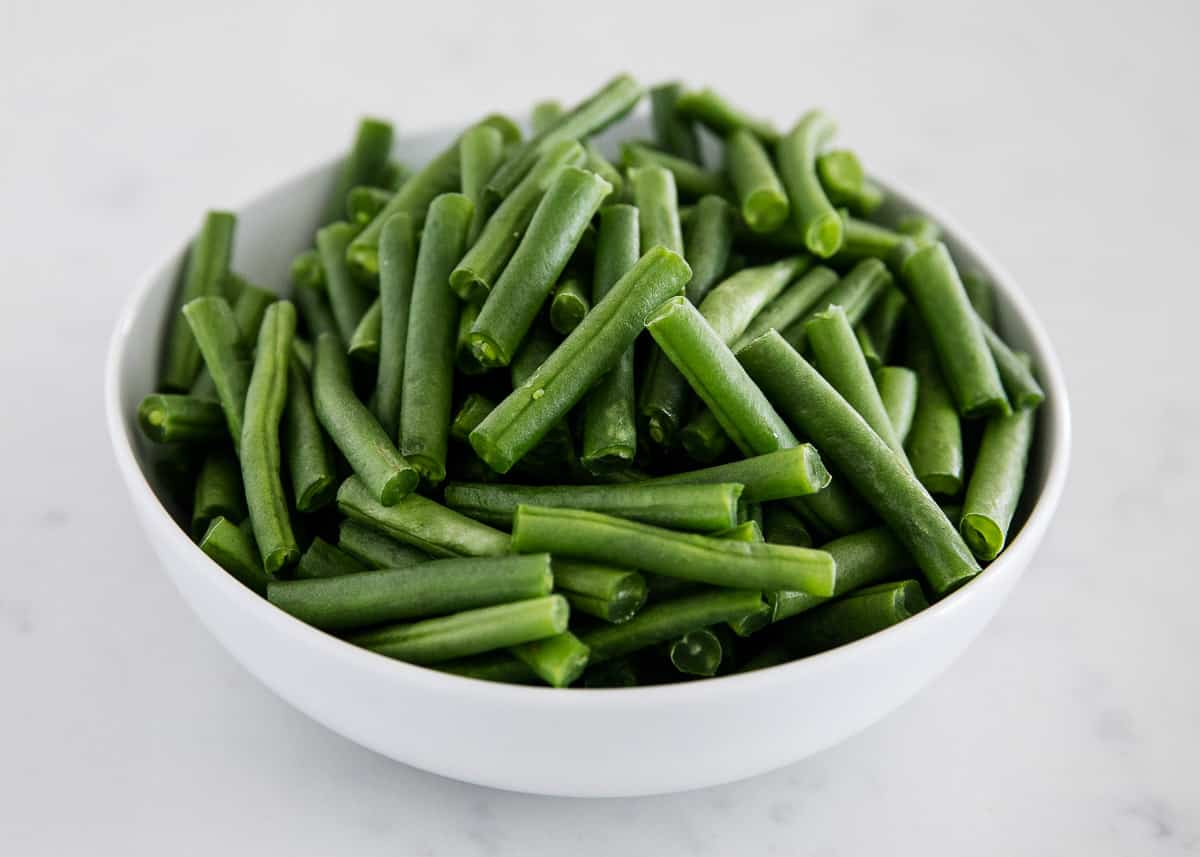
[
  {"x": 309, "y": 460},
  {"x": 555, "y": 230},
  {"x": 470, "y": 632},
  {"x": 697, "y": 652},
  {"x": 1020, "y": 385},
  {"x": 761, "y": 195},
  {"x": 884, "y": 320},
  {"x": 544, "y": 114},
  {"x": 782, "y": 527},
  {"x": 364, "y": 203},
  {"x": 375, "y": 550},
  {"x": 248, "y": 310},
  {"x": 779, "y": 475},
  {"x": 204, "y": 275},
  {"x": 434, "y": 588},
  {"x": 691, "y": 179},
  {"x": 520, "y": 421},
  {"x": 919, "y": 228},
  {"x": 669, "y": 620},
  {"x": 387, "y": 474},
  {"x": 982, "y": 297},
  {"x": 364, "y": 164},
  {"x": 601, "y": 166},
  {"x": 217, "y": 335},
  {"x": 498, "y": 666},
  {"x": 260, "y": 456},
  {"x": 956, "y": 332},
  {"x": 219, "y": 492},
  {"x": 618, "y": 672},
  {"x": 364, "y": 344},
  {"x": 863, "y": 558},
  {"x": 610, "y": 103},
  {"x": 854, "y": 617},
  {"x": 314, "y": 308},
  {"x": 568, "y": 305},
  {"x": 898, "y": 392},
  {"x": 422, "y": 523},
  {"x": 706, "y": 243},
  {"x": 559, "y": 660},
  {"x": 842, "y": 175},
  {"x": 702, "y": 438},
  {"x": 673, "y": 132},
  {"x": 934, "y": 443},
  {"x": 610, "y": 409},
  {"x": 538, "y": 345},
  {"x": 868, "y": 464},
  {"x": 996, "y": 482},
  {"x": 464, "y": 358},
  {"x": 441, "y": 175},
  {"x": 714, "y": 112},
  {"x": 347, "y": 299},
  {"x": 657, "y": 203},
  {"x": 393, "y": 175},
  {"x": 307, "y": 270},
  {"x": 472, "y": 412},
  {"x": 474, "y": 276},
  {"x": 838, "y": 357},
  {"x": 480, "y": 153},
  {"x": 700, "y": 508},
  {"x": 608, "y": 593},
  {"x": 166, "y": 418},
  {"x": 592, "y": 536},
  {"x": 855, "y": 293},
  {"x": 235, "y": 552},
  {"x": 429, "y": 352},
  {"x": 397, "y": 265},
  {"x": 322, "y": 560},
  {"x": 867, "y": 345},
  {"x": 731, "y": 306},
  {"x": 813, "y": 217},
  {"x": 793, "y": 304}
]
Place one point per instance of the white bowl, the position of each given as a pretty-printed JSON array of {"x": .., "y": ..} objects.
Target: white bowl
[{"x": 578, "y": 742}]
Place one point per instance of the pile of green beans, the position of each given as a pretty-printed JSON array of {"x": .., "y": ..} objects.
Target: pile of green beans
[{"x": 547, "y": 412}]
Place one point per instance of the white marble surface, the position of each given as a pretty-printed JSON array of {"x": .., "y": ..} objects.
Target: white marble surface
[{"x": 1064, "y": 136}]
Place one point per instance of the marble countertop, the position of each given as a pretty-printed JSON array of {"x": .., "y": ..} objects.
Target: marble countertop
[{"x": 1064, "y": 138}]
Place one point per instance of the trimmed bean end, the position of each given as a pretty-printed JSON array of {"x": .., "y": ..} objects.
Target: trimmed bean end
[
  {"x": 765, "y": 210},
  {"x": 318, "y": 494},
  {"x": 404, "y": 482},
  {"x": 982, "y": 536},
  {"x": 824, "y": 235}
]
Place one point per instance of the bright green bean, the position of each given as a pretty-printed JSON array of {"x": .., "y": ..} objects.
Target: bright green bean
[
  {"x": 219, "y": 492},
  {"x": 691, "y": 180},
  {"x": 711, "y": 110},
  {"x": 790, "y": 306},
  {"x": 348, "y": 300},
  {"x": 166, "y": 418},
  {"x": 559, "y": 660},
  {"x": 608, "y": 593},
  {"x": 855, "y": 293},
  {"x": 673, "y": 132},
  {"x": 854, "y": 617},
  {"x": 230, "y": 548},
  {"x": 732, "y": 305},
  {"x": 841, "y": 174},
  {"x": 706, "y": 244},
  {"x": 1020, "y": 385},
  {"x": 657, "y": 203},
  {"x": 920, "y": 228},
  {"x": 307, "y": 270},
  {"x": 761, "y": 195},
  {"x": 323, "y": 560},
  {"x": 898, "y": 392},
  {"x": 364, "y": 344},
  {"x": 544, "y": 114},
  {"x": 397, "y": 265},
  {"x": 996, "y": 482},
  {"x": 481, "y": 152},
  {"x": 568, "y": 305},
  {"x": 935, "y": 443},
  {"x": 309, "y": 460},
  {"x": 812, "y": 214},
  {"x": 601, "y": 166},
  {"x": 217, "y": 335},
  {"x": 364, "y": 163},
  {"x": 363, "y": 203}
]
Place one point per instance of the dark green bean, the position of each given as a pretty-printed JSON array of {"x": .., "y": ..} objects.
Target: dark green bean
[
  {"x": 691, "y": 180},
  {"x": 474, "y": 408},
  {"x": 883, "y": 320},
  {"x": 935, "y": 443},
  {"x": 793, "y": 304},
  {"x": 673, "y": 132},
  {"x": 568, "y": 305},
  {"x": 898, "y": 392},
  {"x": 248, "y": 310},
  {"x": 608, "y": 593},
  {"x": 697, "y": 652},
  {"x": 217, "y": 335},
  {"x": 315, "y": 310},
  {"x": 309, "y": 460},
  {"x": 493, "y": 666},
  {"x": 813, "y": 216},
  {"x": 920, "y": 228},
  {"x": 702, "y": 438},
  {"x": 322, "y": 560},
  {"x": 364, "y": 344},
  {"x": 480, "y": 153},
  {"x": 854, "y": 617},
  {"x": 363, "y": 203},
  {"x": 782, "y": 527},
  {"x": 397, "y": 264},
  {"x": 348, "y": 300},
  {"x": 375, "y": 550},
  {"x": 996, "y": 482},
  {"x": 219, "y": 492},
  {"x": 307, "y": 270},
  {"x": 364, "y": 163},
  {"x": 464, "y": 357},
  {"x": 601, "y": 166},
  {"x": 166, "y": 418},
  {"x": 1020, "y": 385},
  {"x": 706, "y": 245},
  {"x": 731, "y": 306},
  {"x": 559, "y": 660},
  {"x": 761, "y": 195},
  {"x": 235, "y": 552},
  {"x": 855, "y": 293},
  {"x": 657, "y": 203},
  {"x": 711, "y": 110}
]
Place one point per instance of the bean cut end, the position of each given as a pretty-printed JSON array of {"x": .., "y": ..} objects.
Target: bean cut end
[
  {"x": 824, "y": 235},
  {"x": 982, "y": 535}
]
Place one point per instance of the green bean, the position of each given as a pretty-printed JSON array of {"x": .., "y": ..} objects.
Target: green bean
[
  {"x": 364, "y": 344},
  {"x": 753, "y": 513},
  {"x": 1020, "y": 385},
  {"x": 702, "y": 438},
  {"x": 393, "y": 175},
  {"x": 374, "y": 458},
  {"x": 732, "y": 305},
  {"x": 855, "y": 293},
  {"x": 862, "y": 558},
  {"x": 672, "y": 132},
  {"x": 321, "y": 560},
  {"x": 441, "y": 175},
  {"x": 315, "y": 310},
  {"x": 996, "y": 482},
  {"x": 790, "y": 472},
  {"x": 375, "y": 550},
  {"x": 593, "y": 348},
  {"x": 608, "y": 593},
  {"x": 248, "y": 310},
  {"x": 610, "y": 418},
  {"x": 711, "y": 110},
  {"x": 469, "y": 632},
  {"x": 935, "y": 443},
  {"x": 884, "y": 320},
  {"x": 559, "y": 660},
  {"x": 842, "y": 175},
  {"x": 472, "y": 279},
  {"x": 347, "y": 299},
  {"x": 219, "y": 492},
  {"x": 700, "y": 508},
  {"x": 480, "y": 153},
  {"x": 203, "y": 276},
  {"x": 433, "y": 588},
  {"x": 706, "y": 245},
  {"x": 544, "y": 115},
  {"x": 854, "y": 617},
  {"x": 610, "y": 103},
  {"x": 544, "y": 251},
  {"x": 793, "y": 304},
  {"x": 898, "y": 391},
  {"x": 783, "y": 527},
  {"x": 618, "y": 672},
  {"x": 429, "y": 351},
  {"x": 697, "y": 652},
  {"x": 474, "y": 408},
  {"x": 813, "y": 216},
  {"x": 578, "y": 534},
  {"x": 866, "y": 461},
  {"x": 866, "y": 240},
  {"x": 464, "y": 357},
  {"x": 669, "y": 620},
  {"x": 714, "y": 373},
  {"x": 498, "y": 666},
  {"x": 569, "y": 305},
  {"x": 538, "y": 345},
  {"x": 691, "y": 180},
  {"x": 309, "y": 460},
  {"x": 302, "y": 353},
  {"x": 761, "y": 195},
  {"x": 307, "y": 270},
  {"x": 422, "y": 523},
  {"x": 920, "y": 228},
  {"x": 363, "y": 203},
  {"x": 658, "y": 208},
  {"x": 663, "y": 400},
  {"x": 746, "y": 531},
  {"x": 868, "y": 199},
  {"x": 234, "y": 551},
  {"x": 166, "y": 418},
  {"x": 867, "y": 346},
  {"x": 261, "y": 471},
  {"x": 601, "y": 166},
  {"x": 841, "y": 361},
  {"x": 363, "y": 164},
  {"x": 662, "y": 588},
  {"x": 397, "y": 264},
  {"x": 980, "y": 293},
  {"x": 217, "y": 335},
  {"x": 940, "y": 300}
]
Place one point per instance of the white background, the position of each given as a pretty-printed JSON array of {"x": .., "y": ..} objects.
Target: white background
[{"x": 1063, "y": 134}]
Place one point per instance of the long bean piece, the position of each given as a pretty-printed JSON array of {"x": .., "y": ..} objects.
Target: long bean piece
[
  {"x": 364, "y": 163},
  {"x": 706, "y": 244},
  {"x": 761, "y": 195},
  {"x": 855, "y": 293},
  {"x": 227, "y": 545},
  {"x": 816, "y": 220},
  {"x": 604, "y": 591},
  {"x": 480, "y": 154},
  {"x": 790, "y": 306},
  {"x": 935, "y": 442},
  {"x": 898, "y": 392},
  {"x": 219, "y": 338},
  {"x": 657, "y": 203},
  {"x": 347, "y": 298},
  {"x": 375, "y": 550},
  {"x": 778, "y": 475},
  {"x": 691, "y": 179},
  {"x": 996, "y": 482},
  {"x": 323, "y": 560},
  {"x": 673, "y": 132},
  {"x": 854, "y": 617},
  {"x": 219, "y": 492},
  {"x": 306, "y": 450},
  {"x": 167, "y": 418},
  {"x": 711, "y": 110},
  {"x": 1020, "y": 385},
  {"x": 397, "y": 266}
]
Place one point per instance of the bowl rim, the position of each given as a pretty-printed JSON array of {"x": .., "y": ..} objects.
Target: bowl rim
[{"x": 1010, "y": 563}]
